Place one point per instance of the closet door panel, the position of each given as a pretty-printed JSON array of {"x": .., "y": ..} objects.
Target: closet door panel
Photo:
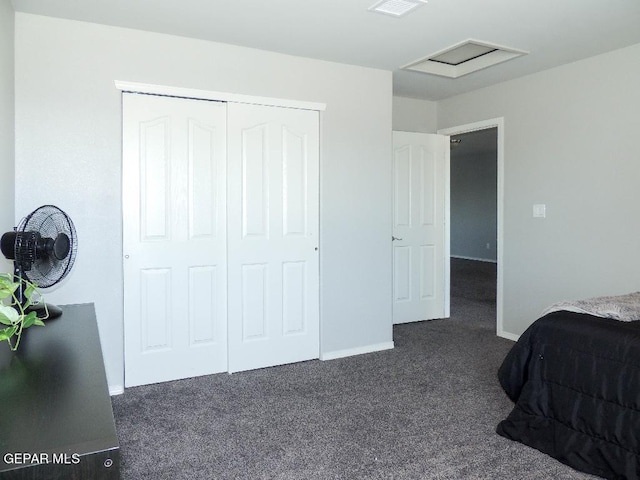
[
  {"x": 255, "y": 182},
  {"x": 273, "y": 179},
  {"x": 174, "y": 238}
]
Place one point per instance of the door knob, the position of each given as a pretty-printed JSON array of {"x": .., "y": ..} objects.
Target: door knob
[{"x": 395, "y": 238}]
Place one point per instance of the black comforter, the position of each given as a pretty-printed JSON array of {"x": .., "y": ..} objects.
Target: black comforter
[{"x": 575, "y": 382}]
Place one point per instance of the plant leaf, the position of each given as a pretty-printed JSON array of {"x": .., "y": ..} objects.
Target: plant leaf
[
  {"x": 29, "y": 320},
  {"x": 4, "y": 320},
  {"x": 7, "y": 290},
  {"x": 7, "y": 333},
  {"x": 8, "y": 313},
  {"x": 38, "y": 322},
  {"x": 29, "y": 290}
]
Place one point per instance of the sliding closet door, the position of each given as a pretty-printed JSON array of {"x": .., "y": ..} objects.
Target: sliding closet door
[
  {"x": 174, "y": 238},
  {"x": 273, "y": 277}
]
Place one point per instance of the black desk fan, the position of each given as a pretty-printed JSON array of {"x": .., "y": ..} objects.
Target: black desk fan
[{"x": 43, "y": 249}]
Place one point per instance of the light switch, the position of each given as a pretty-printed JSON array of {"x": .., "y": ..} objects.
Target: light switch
[{"x": 539, "y": 211}]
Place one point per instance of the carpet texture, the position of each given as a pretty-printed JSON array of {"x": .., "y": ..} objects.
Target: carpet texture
[{"x": 425, "y": 410}]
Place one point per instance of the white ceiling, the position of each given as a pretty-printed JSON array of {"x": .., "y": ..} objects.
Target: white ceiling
[{"x": 554, "y": 32}]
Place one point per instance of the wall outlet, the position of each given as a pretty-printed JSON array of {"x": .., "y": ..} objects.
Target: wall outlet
[{"x": 539, "y": 211}]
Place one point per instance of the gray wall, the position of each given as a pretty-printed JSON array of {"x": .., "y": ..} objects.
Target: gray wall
[
  {"x": 473, "y": 205},
  {"x": 414, "y": 115},
  {"x": 68, "y": 116},
  {"x": 7, "y": 139},
  {"x": 570, "y": 143}
]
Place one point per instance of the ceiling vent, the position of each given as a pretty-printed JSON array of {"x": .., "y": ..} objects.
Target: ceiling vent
[
  {"x": 463, "y": 58},
  {"x": 396, "y": 8}
]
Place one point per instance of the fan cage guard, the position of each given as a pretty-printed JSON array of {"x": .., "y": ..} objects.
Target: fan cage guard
[{"x": 47, "y": 221}]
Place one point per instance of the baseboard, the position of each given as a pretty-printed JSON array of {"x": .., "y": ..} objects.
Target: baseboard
[
  {"x": 508, "y": 336},
  {"x": 488, "y": 260},
  {"x": 116, "y": 390},
  {"x": 356, "y": 351}
]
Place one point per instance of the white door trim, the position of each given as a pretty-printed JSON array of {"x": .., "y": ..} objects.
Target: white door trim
[
  {"x": 182, "y": 92},
  {"x": 471, "y": 127}
]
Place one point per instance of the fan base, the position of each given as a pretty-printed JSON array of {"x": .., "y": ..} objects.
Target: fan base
[{"x": 41, "y": 312}]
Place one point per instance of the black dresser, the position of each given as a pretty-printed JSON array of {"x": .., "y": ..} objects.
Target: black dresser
[{"x": 56, "y": 419}]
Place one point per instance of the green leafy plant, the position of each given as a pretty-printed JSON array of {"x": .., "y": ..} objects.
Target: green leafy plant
[{"x": 14, "y": 314}]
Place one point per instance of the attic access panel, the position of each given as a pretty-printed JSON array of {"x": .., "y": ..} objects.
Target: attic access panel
[
  {"x": 463, "y": 58},
  {"x": 462, "y": 54},
  {"x": 396, "y": 8}
]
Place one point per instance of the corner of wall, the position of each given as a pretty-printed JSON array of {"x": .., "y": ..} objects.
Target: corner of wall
[
  {"x": 7, "y": 117},
  {"x": 414, "y": 115}
]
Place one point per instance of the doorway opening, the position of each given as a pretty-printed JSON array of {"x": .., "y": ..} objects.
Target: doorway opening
[
  {"x": 476, "y": 213},
  {"x": 473, "y": 222}
]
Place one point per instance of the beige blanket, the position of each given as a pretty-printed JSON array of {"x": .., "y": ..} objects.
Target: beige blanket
[{"x": 625, "y": 308}]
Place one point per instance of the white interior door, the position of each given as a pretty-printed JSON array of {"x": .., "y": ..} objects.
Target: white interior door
[
  {"x": 420, "y": 227},
  {"x": 273, "y": 269},
  {"x": 174, "y": 238}
]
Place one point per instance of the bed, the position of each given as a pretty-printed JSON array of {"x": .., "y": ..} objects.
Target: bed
[{"x": 575, "y": 380}]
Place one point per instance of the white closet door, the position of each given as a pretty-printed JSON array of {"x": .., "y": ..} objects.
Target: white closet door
[
  {"x": 273, "y": 273},
  {"x": 420, "y": 239},
  {"x": 174, "y": 238}
]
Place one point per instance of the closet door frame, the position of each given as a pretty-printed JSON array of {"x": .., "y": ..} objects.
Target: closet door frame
[
  {"x": 188, "y": 93},
  {"x": 197, "y": 94}
]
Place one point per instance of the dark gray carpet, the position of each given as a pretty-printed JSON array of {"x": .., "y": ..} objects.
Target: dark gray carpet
[{"x": 425, "y": 410}]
